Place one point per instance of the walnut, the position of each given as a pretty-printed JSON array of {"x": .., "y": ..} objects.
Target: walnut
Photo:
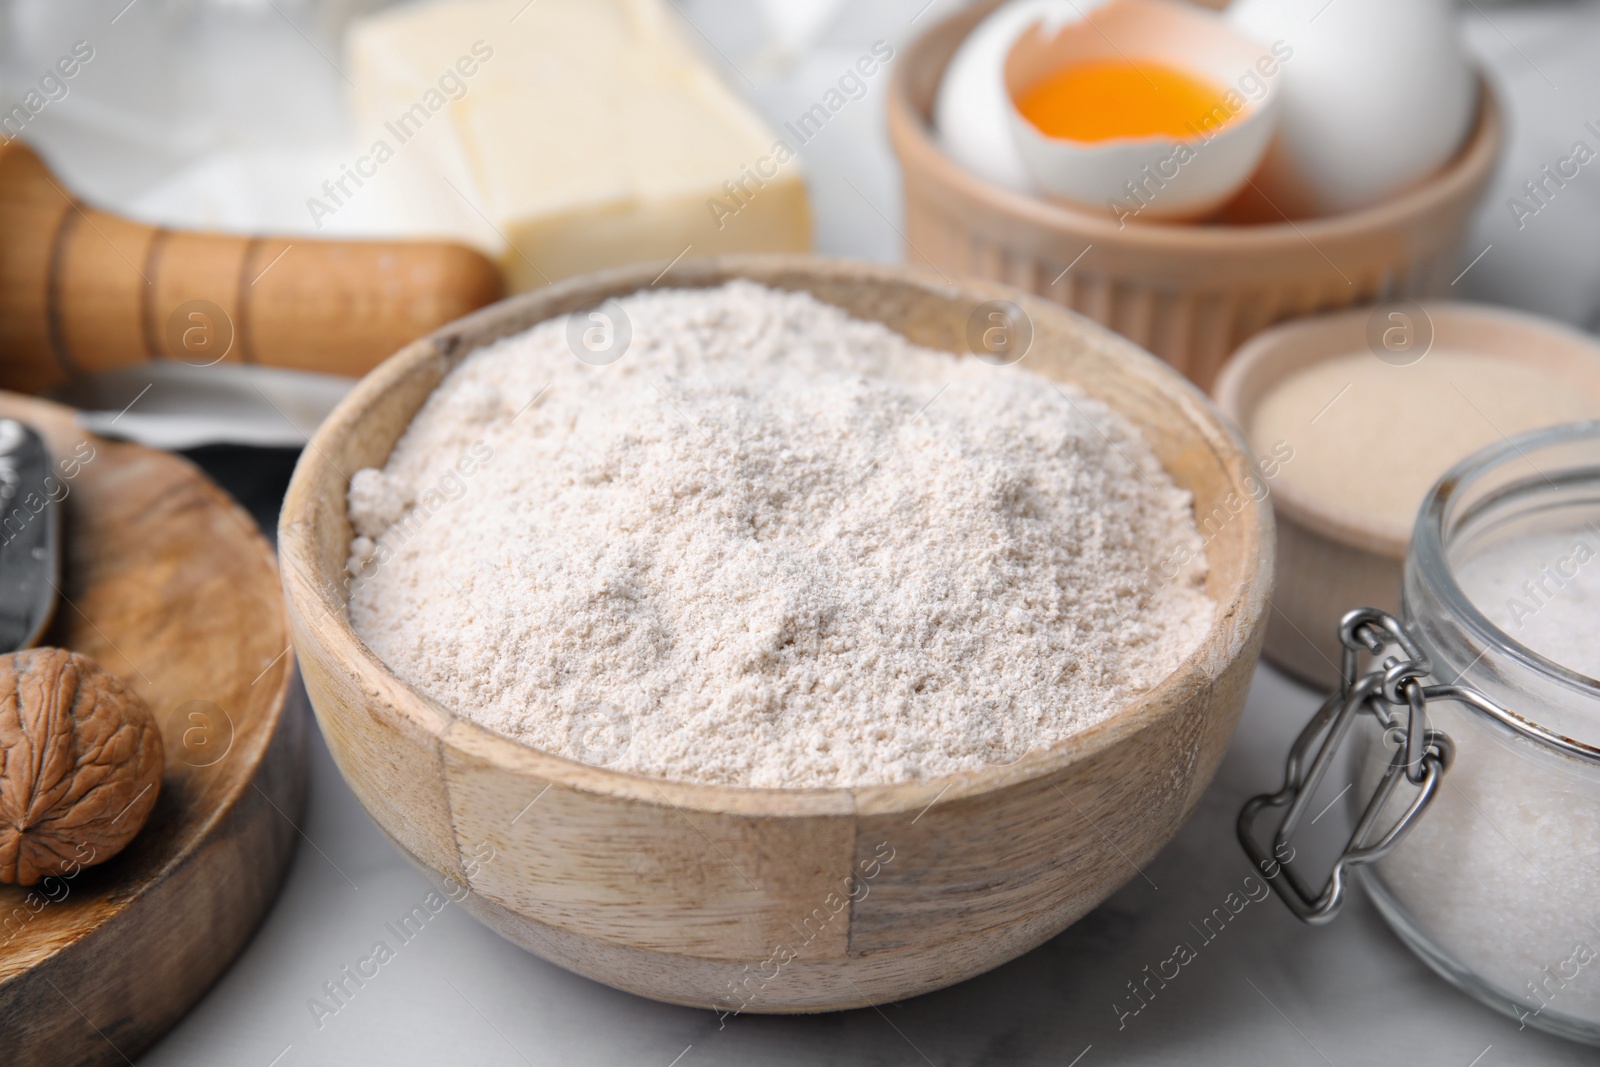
[{"x": 80, "y": 764}]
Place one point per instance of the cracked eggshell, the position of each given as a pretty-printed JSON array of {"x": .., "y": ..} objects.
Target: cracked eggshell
[
  {"x": 1175, "y": 178},
  {"x": 971, "y": 108}
]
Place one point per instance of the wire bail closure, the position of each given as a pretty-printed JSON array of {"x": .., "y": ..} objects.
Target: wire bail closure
[{"x": 1421, "y": 757}]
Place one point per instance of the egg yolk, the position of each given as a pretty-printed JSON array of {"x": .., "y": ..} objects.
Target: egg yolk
[{"x": 1117, "y": 98}]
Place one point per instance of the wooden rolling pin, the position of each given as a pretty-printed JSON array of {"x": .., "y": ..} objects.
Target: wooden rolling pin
[{"x": 83, "y": 290}]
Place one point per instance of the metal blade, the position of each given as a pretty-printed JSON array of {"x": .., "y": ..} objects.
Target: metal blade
[{"x": 30, "y": 521}]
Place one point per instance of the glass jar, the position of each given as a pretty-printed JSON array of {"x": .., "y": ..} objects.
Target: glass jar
[{"x": 1477, "y": 796}]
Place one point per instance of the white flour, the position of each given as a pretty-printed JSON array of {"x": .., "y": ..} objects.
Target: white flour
[{"x": 772, "y": 545}]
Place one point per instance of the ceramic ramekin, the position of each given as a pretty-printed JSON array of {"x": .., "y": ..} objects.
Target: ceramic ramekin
[{"x": 1189, "y": 293}]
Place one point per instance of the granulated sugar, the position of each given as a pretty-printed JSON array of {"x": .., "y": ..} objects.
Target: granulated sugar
[
  {"x": 771, "y": 545},
  {"x": 1501, "y": 870}
]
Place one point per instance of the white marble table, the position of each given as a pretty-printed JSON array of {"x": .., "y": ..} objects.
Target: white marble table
[{"x": 1265, "y": 992}]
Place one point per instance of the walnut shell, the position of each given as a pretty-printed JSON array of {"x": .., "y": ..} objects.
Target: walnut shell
[{"x": 80, "y": 764}]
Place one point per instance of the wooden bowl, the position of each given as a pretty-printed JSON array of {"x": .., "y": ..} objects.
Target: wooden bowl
[
  {"x": 779, "y": 900},
  {"x": 1188, "y": 293},
  {"x": 1329, "y": 559}
]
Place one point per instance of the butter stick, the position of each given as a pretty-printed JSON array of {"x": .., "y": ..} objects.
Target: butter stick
[{"x": 564, "y": 136}]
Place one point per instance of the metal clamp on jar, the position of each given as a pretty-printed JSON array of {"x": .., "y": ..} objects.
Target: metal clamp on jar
[{"x": 1474, "y": 733}]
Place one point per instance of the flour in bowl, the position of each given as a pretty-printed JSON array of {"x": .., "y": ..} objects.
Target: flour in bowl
[{"x": 771, "y": 545}]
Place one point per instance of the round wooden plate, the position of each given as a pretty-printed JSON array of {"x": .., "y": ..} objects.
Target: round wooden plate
[{"x": 168, "y": 584}]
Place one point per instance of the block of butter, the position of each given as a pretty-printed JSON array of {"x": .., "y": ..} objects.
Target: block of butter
[{"x": 566, "y": 135}]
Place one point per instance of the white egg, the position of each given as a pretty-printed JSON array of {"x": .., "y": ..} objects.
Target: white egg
[
  {"x": 971, "y": 109},
  {"x": 1377, "y": 95}
]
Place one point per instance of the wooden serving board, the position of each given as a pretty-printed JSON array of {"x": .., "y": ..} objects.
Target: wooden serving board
[{"x": 168, "y": 584}]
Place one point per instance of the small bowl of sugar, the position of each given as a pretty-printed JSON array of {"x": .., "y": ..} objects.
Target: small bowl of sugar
[
  {"x": 776, "y": 634},
  {"x": 1357, "y": 414}
]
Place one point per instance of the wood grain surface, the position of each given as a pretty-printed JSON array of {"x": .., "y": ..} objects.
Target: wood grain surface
[
  {"x": 773, "y": 900},
  {"x": 168, "y": 584},
  {"x": 85, "y": 290}
]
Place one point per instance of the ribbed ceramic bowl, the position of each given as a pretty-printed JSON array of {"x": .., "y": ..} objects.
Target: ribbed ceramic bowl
[
  {"x": 767, "y": 899},
  {"x": 1190, "y": 294}
]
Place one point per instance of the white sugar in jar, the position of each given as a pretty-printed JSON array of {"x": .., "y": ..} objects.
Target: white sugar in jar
[
  {"x": 1493, "y": 876},
  {"x": 1498, "y": 885}
]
